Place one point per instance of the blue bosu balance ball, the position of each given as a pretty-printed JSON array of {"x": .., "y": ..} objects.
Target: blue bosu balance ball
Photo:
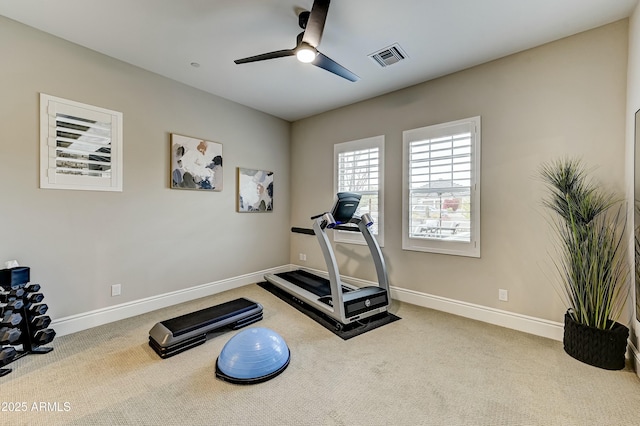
[{"x": 253, "y": 355}]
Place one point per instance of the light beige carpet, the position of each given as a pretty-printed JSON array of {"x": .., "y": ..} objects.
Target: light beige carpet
[{"x": 429, "y": 368}]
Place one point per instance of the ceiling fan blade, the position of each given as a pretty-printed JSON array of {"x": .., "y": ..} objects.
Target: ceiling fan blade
[
  {"x": 315, "y": 24},
  {"x": 330, "y": 65},
  {"x": 265, "y": 56}
]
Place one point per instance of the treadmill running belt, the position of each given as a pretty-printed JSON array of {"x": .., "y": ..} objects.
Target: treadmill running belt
[
  {"x": 308, "y": 281},
  {"x": 343, "y": 331}
]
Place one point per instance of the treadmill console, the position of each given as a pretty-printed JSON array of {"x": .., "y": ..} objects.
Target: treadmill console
[{"x": 345, "y": 207}]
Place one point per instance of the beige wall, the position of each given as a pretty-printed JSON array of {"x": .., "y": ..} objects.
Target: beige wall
[
  {"x": 149, "y": 238},
  {"x": 565, "y": 98}
]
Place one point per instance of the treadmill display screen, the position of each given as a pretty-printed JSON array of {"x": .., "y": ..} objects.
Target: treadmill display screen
[{"x": 345, "y": 207}]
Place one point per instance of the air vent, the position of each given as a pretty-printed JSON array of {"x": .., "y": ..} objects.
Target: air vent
[{"x": 389, "y": 55}]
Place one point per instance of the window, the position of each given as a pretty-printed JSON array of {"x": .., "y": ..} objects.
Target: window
[
  {"x": 359, "y": 167},
  {"x": 441, "y": 188},
  {"x": 80, "y": 146}
]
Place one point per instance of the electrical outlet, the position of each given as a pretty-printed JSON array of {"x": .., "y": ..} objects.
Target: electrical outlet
[
  {"x": 116, "y": 290},
  {"x": 303, "y": 257},
  {"x": 503, "y": 295}
]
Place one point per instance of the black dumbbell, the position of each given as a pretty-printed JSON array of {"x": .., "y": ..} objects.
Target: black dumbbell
[
  {"x": 13, "y": 286},
  {"x": 37, "y": 309},
  {"x": 34, "y": 297},
  {"x": 13, "y": 305},
  {"x": 15, "y": 292},
  {"x": 5, "y": 310},
  {"x": 9, "y": 335},
  {"x": 11, "y": 319},
  {"x": 32, "y": 288},
  {"x": 11, "y": 295},
  {"x": 42, "y": 337},
  {"x": 7, "y": 354},
  {"x": 38, "y": 323}
]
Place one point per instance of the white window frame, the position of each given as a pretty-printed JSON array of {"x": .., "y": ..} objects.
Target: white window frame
[
  {"x": 444, "y": 246},
  {"x": 357, "y": 145},
  {"x": 51, "y": 176}
]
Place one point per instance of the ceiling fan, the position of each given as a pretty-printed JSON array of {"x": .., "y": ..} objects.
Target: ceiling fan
[{"x": 306, "y": 49}]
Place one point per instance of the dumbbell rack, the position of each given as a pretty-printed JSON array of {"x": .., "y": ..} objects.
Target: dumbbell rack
[{"x": 23, "y": 325}]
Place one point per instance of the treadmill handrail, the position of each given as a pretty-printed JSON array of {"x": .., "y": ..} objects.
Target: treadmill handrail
[
  {"x": 347, "y": 228},
  {"x": 335, "y": 280},
  {"x": 307, "y": 231},
  {"x": 332, "y": 269}
]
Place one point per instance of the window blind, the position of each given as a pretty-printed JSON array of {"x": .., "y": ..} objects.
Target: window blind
[
  {"x": 441, "y": 194},
  {"x": 81, "y": 146},
  {"x": 359, "y": 167},
  {"x": 359, "y": 172},
  {"x": 440, "y": 186}
]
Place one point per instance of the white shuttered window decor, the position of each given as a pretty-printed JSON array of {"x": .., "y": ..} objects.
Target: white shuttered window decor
[
  {"x": 359, "y": 167},
  {"x": 80, "y": 146},
  {"x": 441, "y": 188}
]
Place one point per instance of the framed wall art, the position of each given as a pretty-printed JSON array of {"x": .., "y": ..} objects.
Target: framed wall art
[
  {"x": 255, "y": 190},
  {"x": 195, "y": 164}
]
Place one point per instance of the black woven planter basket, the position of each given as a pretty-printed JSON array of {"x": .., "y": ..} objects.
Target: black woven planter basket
[{"x": 594, "y": 346}]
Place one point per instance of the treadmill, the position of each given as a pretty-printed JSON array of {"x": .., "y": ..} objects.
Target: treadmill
[{"x": 342, "y": 302}]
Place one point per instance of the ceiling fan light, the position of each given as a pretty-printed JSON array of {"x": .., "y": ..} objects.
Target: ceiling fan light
[{"x": 306, "y": 54}]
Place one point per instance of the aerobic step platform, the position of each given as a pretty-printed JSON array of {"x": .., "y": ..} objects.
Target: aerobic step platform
[{"x": 170, "y": 337}]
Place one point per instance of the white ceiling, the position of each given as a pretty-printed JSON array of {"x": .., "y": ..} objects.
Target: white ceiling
[{"x": 439, "y": 36}]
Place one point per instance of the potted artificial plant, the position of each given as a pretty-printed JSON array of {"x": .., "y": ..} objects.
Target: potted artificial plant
[{"x": 592, "y": 263}]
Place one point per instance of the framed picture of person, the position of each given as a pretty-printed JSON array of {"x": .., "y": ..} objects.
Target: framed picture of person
[{"x": 195, "y": 164}]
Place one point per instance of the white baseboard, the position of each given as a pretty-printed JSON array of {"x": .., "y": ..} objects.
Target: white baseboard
[
  {"x": 86, "y": 320},
  {"x": 537, "y": 326},
  {"x": 634, "y": 356}
]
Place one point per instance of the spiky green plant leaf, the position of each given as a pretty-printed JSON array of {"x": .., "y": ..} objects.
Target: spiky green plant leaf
[{"x": 592, "y": 256}]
